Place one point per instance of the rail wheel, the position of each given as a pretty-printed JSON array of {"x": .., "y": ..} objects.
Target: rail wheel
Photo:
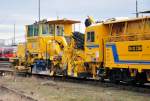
[
  {"x": 113, "y": 77},
  {"x": 141, "y": 78}
]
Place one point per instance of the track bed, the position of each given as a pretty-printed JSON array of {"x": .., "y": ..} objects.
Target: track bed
[
  {"x": 49, "y": 90},
  {"x": 7, "y": 94}
]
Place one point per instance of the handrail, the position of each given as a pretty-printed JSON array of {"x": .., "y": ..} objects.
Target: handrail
[{"x": 127, "y": 37}]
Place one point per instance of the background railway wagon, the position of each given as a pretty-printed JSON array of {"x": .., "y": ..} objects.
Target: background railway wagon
[{"x": 7, "y": 53}]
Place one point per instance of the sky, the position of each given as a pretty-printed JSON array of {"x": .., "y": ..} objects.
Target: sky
[{"x": 24, "y": 12}]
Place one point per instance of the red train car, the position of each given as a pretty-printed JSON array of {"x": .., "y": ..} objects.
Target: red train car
[{"x": 7, "y": 53}]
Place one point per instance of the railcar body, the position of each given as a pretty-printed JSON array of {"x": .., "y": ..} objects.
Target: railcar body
[
  {"x": 45, "y": 44},
  {"x": 7, "y": 53},
  {"x": 119, "y": 50},
  {"x": 116, "y": 49},
  {"x": 127, "y": 52}
]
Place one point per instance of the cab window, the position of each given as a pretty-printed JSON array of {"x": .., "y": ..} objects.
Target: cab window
[
  {"x": 59, "y": 30},
  {"x": 51, "y": 29},
  {"x": 30, "y": 30},
  {"x": 33, "y": 30},
  {"x": 90, "y": 36},
  {"x": 45, "y": 28},
  {"x": 36, "y": 30}
]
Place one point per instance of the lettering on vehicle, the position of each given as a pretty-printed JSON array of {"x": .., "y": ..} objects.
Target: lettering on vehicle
[{"x": 135, "y": 48}]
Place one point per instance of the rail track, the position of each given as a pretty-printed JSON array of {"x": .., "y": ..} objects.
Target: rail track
[
  {"x": 6, "y": 68},
  {"x": 119, "y": 86},
  {"x": 18, "y": 95}
]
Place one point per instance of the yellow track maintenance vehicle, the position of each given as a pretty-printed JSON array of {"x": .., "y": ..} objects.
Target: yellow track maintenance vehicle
[
  {"x": 119, "y": 49},
  {"x": 48, "y": 49}
]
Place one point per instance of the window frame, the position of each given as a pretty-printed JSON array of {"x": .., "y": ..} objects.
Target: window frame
[
  {"x": 30, "y": 31},
  {"x": 46, "y": 26},
  {"x": 62, "y": 31},
  {"x": 35, "y": 30},
  {"x": 90, "y": 36},
  {"x": 51, "y": 29}
]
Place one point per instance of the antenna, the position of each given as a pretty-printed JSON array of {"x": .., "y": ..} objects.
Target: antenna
[
  {"x": 39, "y": 10},
  {"x": 57, "y": 14},
  {"x": 14, "y": 34},
  {"x": 137, "y": 14}
]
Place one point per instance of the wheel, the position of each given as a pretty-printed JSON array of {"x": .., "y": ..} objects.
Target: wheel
[
  {"x": 102, "y": 79},
  {"x": 113, "y": 77},
  {"x": 141, "y": 78}
]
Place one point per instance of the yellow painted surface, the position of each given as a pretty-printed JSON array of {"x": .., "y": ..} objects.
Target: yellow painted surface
[
  {"x": 50, "y": 44},
  {"x": 21, "y": 51},
  {"x": 94, "y": 50},
  {"x": 132, "y": 41},
  {"x": 74, "y": 59},
  {"x": 45, "y": 44},
  {"x": 68, "y": 29},
  {"x": 47, "y": 40},
  {"x": 123, "y": 33},
  {"x": 128, "y": 56}
]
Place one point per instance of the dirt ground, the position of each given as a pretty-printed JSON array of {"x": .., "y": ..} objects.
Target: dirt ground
[
  {"x": 8, "y": 95},
  {"x": 42, "y": 90}
]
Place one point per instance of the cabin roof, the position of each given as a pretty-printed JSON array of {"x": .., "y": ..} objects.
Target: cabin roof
[
  {"x": 126, "y": 20},
  {"x": 63, "y": 21}
]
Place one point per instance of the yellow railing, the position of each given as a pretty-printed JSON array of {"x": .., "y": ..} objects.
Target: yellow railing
[{"x": 131, "y": 37}]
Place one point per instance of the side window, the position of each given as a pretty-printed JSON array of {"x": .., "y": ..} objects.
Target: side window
[
  {"x": 30, "y": 30},
  {"x": 59, "y": 30},
  {"x": 45, "y": 29},
  {"x": 36, "y": 30},
  {"x": 51, "y": 30},
  {"x": 90, "y": 36},
  {"x": 33, "y": 30}
]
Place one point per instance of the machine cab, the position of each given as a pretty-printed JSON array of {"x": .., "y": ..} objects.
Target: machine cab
[
  {"x": 48, "y": 38},
  {"x": 94, "y": 35},
  {"x": 51, "y": 28}
]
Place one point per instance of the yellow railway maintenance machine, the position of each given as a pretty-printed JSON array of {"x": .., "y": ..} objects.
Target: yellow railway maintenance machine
[
  {"x": 45, "y": 44},
  {"x": 119, "y": 50}
]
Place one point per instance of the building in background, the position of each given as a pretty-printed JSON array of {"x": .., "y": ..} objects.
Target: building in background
[{"x": 2, "y": 42}]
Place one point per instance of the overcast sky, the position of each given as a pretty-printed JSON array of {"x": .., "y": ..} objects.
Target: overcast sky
[{"x": 23, "y": 12}]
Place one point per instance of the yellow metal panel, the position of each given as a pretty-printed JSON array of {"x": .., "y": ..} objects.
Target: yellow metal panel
[
  {"x": 128, "y": 59},
  {"x": 21, "y": 50},
  {"x": 94, "y": 50},
  {"x": 68, "y": 29}
]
